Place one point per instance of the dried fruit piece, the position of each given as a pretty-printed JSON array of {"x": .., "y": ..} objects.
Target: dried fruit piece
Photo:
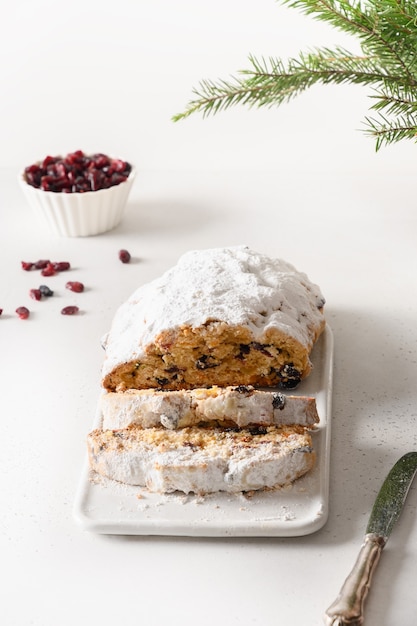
[
  {"x": 70, "y": 310},
  {"x": 1, "y": 311},
  {"x": 74, "y": 285},
  {"x": 278, "y": 401},
  {"x": 62, "y": 266},
  {"x": 49, "y": 270},
  {"x": 45, "y": 291},
  {"x": 35, "y": 294},
  {"x": 124, "y": 256},
  {"x": 22, "y": 312},
  {"x": 289, "y": 376},
  {"x": 41, "y": 264}
]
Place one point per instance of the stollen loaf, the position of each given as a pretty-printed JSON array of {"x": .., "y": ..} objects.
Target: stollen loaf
[
  {"x": 197, "y": 368},
  {"x": 221, "y": 316}
]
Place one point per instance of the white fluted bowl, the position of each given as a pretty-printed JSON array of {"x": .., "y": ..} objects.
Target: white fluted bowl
[{"x": 79, "y": 214}]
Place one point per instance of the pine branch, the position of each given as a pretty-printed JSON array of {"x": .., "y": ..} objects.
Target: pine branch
[
  {"x": 386, "y": 132},
  {"x": 387, "y": 33},
  {"x": 383, "y": 28},
  {"x": 395, "y": 103},
  {"x": 271, "y": 82}
]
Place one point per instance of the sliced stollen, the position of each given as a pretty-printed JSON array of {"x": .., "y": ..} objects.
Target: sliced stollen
[
  {"x": 227, "y": 406},
  {"x": 222, "y": 316},
  {"x": 202, "y": 460}
]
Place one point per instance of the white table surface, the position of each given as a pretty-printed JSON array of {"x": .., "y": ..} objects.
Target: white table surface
[{"x": 355, "y": 235}]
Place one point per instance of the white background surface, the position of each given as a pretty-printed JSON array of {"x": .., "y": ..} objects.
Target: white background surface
[{"x": 300, "y": 183}]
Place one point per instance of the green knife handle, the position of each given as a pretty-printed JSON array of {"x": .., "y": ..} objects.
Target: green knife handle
[{"x": 347, "y": 609}]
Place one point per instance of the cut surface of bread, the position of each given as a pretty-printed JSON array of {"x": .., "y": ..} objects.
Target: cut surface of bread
[
  {"x": 223, "y": 316},
  {"x": 202, "y": 460},
  {"x": 227, "y": 406}
]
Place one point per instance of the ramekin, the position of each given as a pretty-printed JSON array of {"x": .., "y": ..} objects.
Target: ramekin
[{"x": 79, "y": 214}]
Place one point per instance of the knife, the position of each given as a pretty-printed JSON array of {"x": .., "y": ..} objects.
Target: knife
[{"x": 347, "y": 609}]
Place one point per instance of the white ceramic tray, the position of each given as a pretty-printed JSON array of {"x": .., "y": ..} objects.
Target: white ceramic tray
[{"x": 107, "y": 507}]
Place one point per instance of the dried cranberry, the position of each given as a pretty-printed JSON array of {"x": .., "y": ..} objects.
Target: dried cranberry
[
  {"x": 26, "y": 266},
  {"x": 116, "y": 179},
  {"x": 75, "y": 157},
  {"x": 22, "y": 312},
  {"x": 49, "y": 270},
  {"x": 33, "y": 175},
  {"x": 289, "y": 376},
  {"x": 257, "y": 430},
  {"x": 203, "y": 362},
  {"x": 62, "y": 266},
  {"x": 74, "y": 285},
  {"x": 45, "y": 291},
  {"x": 70, "y": 310},
  {"x": 35, "y": 294},
  {"x": 245, "y": 389},
  {"x": 48, "y": 160},
  {"x": 278, "y": 401},
  {"x": 118, "y": 165},
  {"x": 124, "y": 256},
  {"x": 1, "y": 311},
  {"x": 100, "y": 160},
  {"x": 41, "y": 264},
  {"x": 97, "y": 179}
]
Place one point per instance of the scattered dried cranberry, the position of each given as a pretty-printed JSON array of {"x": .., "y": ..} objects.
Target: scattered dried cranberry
[
  {"x": 70, "y": 310},
  {"x": 45, "y": 291},
  {"x": 1, "y": 311},
  {"x": 22, "y": 312},
  {"x": 46, "y": 266},
  {"x": 35, "y": 294},
  {"x": 124, "y": 256},
  {"x": 41, "y": 264},
  {"x": 49, "y": 270},
  {"x": 74, "y": 285},
  {"x": 77, "y": 172},
  {"x": 62, "y": 266}
]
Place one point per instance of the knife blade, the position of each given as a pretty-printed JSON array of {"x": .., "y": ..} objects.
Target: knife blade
[{"x": 347, "y": 609}]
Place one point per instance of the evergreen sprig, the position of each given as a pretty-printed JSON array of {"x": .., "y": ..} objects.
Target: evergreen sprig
[{"x": 387, "y": 34}]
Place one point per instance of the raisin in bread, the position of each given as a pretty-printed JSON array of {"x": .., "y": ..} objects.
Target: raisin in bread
[
  {"x": 202, "y": 460},
  {"x": 222, "y": 406},
  {"x": 223, "y": 316}
]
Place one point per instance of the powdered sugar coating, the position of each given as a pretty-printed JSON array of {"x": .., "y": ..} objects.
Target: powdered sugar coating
[
  {"x": 201, "y": 460},
  {"x": 148, "y": 408},
  {"x": 235, "y": 285}
]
